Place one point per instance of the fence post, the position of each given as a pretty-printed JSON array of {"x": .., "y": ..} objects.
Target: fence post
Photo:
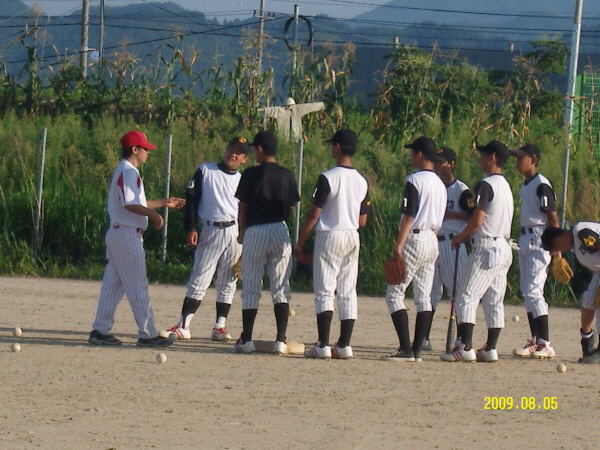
[
  {"x": 163, "y": 257},
  {"x": 40, "y": 187}
]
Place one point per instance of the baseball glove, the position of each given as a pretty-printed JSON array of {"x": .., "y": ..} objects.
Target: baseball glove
[
  {"x": 395, "y": 270},
  {"x": 237, "y": 269},
  {"x": 561, "y": 270}
]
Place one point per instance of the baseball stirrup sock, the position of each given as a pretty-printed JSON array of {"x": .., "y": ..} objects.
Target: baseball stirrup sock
[
  {"x": 324, "y": 327},
  {"x": 248, "y": 318},
  {"x": 533, "y": 326},
  {"x": 492, "y": 340},
  {"x": 465, "y": 334},
  {"x": 400, "y": 319},
  {"x": 189, "y": 308},
  {"x": 346, "y": 327},
  {"x": 430, "y": 323},
  {"x": 222, "y": 313},
  {"x": 542, "y": 325},
  {"x": 281, "y": 319},
  {"x": 422, "y": 324}
]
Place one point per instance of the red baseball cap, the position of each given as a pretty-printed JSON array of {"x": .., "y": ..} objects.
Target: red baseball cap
[{"x": 136, "y": 138}]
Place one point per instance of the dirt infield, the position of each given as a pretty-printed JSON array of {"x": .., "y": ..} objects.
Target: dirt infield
[{"x": 61, "y": 393}]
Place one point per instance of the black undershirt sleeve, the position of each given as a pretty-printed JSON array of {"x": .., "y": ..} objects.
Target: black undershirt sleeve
[
  {"x": 483, "y": 195},
  {"x": 193, "y": 194},
  {"x": 410, "y": 201},
  {"x": 547, "y": 198},
  {"x": 322, "y": 191}
]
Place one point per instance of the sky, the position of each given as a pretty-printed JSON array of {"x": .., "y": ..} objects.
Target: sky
[{"x": 232, "y": 9}]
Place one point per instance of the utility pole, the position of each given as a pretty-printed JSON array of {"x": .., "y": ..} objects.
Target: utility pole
[
  {"x": 575, "y": 39},
  {"x": 85, "y": 18},
  {"x": 296, "y": 13},
  {"x": 261, "y": 32},
  {"x": 101, "y": 46}
]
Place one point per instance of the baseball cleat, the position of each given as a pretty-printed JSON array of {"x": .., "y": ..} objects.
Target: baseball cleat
[
  {"x": 426, "y": 345},
  {"x": 459, "y": 353},
  {"x": 318, "y": 352},
  {"x": 247, "y": 347},
  {"x": 181, "y": 333},
  {"x": 157, "y": 341},
  {"x": 342, "y": 352},
  {"x": 587, "y": 346},
  {"x": 280, "y": 348},
  {"x": 526, "y": 351},
  {"x": 97, "y": 338},
  {"x": 220, "y": 335},
  {"x": 594, "y": 358},
  {"x": 544, "y": 351},
  {"x": 399, "y": 355},
  {"x": 484, "y": 355}
]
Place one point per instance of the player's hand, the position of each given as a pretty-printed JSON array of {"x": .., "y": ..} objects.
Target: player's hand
[
  {"x": 192, "y": 238},
  {"x": 556, "y": 253},
  {"x": 455, "y": 242},
  {"x": 303, "y": 257},
  {"x": 157, "y": 219},
  {"x": 175, "y": 203}
]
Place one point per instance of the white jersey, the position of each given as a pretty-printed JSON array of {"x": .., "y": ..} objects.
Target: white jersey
[
  {"x": 342, "y": 208},
  {"x": 537, "y": 197},
  {"x": 218, "y": 202},
  {"x": 589, "y": 260},
  {"x": 497, "y": 202},
  {"x": 454, "y": 191},
  {"x": 126, "y": 188},
  {"x": 431, "y": 200}
]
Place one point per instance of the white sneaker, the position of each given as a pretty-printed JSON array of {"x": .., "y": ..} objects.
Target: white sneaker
[
  {"x": 543, "y": 351},
  {"x": 526, "y": 351},
  {"x": 342, "y": 352},
  {"x": 318, "y": 352},
  {"x": 220, "y": 334},
  {"x": 248, "y": 347},
  {"x": 181, "y": 333},
  {"x": 459, "y": 353},
  {"x": 484, "y": 355},
  {"x": 280, "y": 348}
]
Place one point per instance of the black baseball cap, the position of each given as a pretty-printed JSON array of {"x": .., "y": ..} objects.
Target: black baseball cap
[
  {"x": 426, "y": 146},
  {"x": 266, "y": 139},
  {"x": 528, "y": 149},
  {"x": 241, "y": 143},
  {"x": 447, "y": 154},
  {"x": 344, "y": 137},
  {"x": 495, "y": 147}
]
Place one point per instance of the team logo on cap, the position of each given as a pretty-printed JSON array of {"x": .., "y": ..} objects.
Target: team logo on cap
[{"x": 242, "y": 140}]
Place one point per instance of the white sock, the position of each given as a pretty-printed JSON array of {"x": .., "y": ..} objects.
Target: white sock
[
  {"x": 540, "y": 341},
  {"x": 220, "y": 322},
  {"x": 185, "y": 324}
]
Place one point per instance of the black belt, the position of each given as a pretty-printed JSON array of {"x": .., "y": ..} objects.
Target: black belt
[
  {"x": 525, "y": 230},
  {"x": 139, "y": 230},
  {"x": 220, "y": 224},
  {"x": 443, "y": 237},
  {"x": 416, "y": 231},
  {"x": 490, "y": 238}
]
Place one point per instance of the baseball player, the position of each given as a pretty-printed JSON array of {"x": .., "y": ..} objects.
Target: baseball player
[
  {"x": 423, "y": 207},
  {"x": 267, "y": 193},
  {"x": 584, "y": 240},
  {"x": 211, "y": 201},
  {"x": 460, "y": 206},
  {"x": 537, "y": 211},
  {"x": 126, "y": 269},
  {"x": 340, "y": 206},
  {"x": 485, "y": 274}
]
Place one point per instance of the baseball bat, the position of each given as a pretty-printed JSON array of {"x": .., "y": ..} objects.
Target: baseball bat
[
  {"x": 294, "y": 348},
  {"x": 452, "y": 321}
]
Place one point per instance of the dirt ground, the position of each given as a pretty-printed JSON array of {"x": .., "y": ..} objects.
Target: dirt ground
[{"x": 61, "y": 393}]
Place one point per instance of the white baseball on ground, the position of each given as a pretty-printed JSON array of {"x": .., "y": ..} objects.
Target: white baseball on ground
[
  {"x": 15, "y": 347},
  {"x": 291, "y": 312},
  {"x": 561, "y": 368},
  {"x": 161, "y": 358},
  {"x": 516, "y": 319},
  {"x": 17, "y": 331}
]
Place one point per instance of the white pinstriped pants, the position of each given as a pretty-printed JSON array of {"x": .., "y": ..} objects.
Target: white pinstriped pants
[
  {"x": 335, "y": 271},
  {"x": 420, "y": 253},
  {"x": 533, "y": 271},
  {"x": 484, "y": 280},
  {"x": 444, "y": 270},
  {"x": 217, "y": 251},
  {"x": 125, "y": 273},
  {"x": 587, "y": 300},
  {"x": 266, "y": 246}
]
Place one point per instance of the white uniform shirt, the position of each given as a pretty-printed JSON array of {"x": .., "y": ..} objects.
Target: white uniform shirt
[
  {"x": 342, "y": 207},
  {"x": 499, "y": 208},
  {"x": 454, "y": 191},
  {"x": 536, "y": 197},
  {"x": 431, "y": 200},
  {"x": 589, "y": 260},
  {"x": 126, "y": 188},
  {"x": 218, "y": 202}
]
